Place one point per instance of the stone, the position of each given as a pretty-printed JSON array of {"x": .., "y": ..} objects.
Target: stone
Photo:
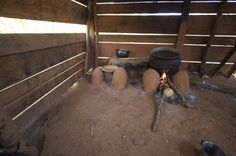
[
  {"x": 97, "y": 76},
  {"x": 181, "y": 81},
  {"x": 120, "y": 79},
  {"x": 151, "y": 80}
]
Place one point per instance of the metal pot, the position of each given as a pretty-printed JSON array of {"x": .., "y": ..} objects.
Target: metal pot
[
  {"x": 165, "y": 59},
  {"x": 122, "y": 53}
]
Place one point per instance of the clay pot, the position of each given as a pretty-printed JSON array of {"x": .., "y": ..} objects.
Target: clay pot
[
  {"x": 97, "y": 76},
  {"x": 119, "y": 80},
  {"x": 151, "y": 80},
  {"x": 181, "y": 81}
]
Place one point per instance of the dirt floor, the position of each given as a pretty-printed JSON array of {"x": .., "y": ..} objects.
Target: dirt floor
[{"x": 97, "y": 121}]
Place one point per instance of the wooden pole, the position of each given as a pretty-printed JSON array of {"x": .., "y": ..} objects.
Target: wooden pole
[
  {"x": 210, "y": 41},
  {"x": 225, "y": 59},
  {"x": 96, "y": 31},
  {"x": 90, "y": 38},
  {"x": 183, "y": 24}
]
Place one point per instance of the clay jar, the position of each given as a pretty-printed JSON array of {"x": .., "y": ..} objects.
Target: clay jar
[
  {"x": 151, "y": 80},
  {"x": 97, "y": 76},
  {"x": 181, "y": 81},
  {"x": 119, "y": 80}
]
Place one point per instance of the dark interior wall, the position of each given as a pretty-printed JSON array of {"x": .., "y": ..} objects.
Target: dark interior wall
[
  {"x": 37, "y": 68},
  {"x": 158, "y": 30}
]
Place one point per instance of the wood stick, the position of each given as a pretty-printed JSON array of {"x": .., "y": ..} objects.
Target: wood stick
[
  {"x": 231, "y": 70},
  {"x": 158, "y": 112}
]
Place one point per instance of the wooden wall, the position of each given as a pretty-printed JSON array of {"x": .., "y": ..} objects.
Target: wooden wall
[
  {"x": 37, "y": 68},
  {"x": 147, "y": 30}
]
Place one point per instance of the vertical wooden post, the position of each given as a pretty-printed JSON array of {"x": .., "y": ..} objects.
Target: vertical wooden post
[
  {"x": 225, "y": 59},
  {"x": 210, "y": 41},
  {"x": 183, "y": 24},
  {"x": 231, "y": 70},
  {"x": 96, "y": 31},
  {"x": 90, "y": 38}
]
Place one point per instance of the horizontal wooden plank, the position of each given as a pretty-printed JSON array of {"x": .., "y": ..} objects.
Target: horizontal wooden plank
[
  {"x": 46, "y": 10},
  {"x": 13, "y": 93},
  {"x": 173, "y": 7},
  {"x": 108, "y": 50},
  {"x": 29, "y": 116},
  {"x": 17, "y": 67},
  {"x": 137, "y": 38},
  {"x": 20, "y": 43},
  {"x": 194, "y": 53},
  {"x": 139, "y": 24},
  {"x": 140, "y": 8},
  {"x": 203, "y": 24},
  {"x": 216, "y": 40},
  {"x": 190, "y": 53},
  {"x": 211, "y": 7},
  {"x": 32, "y": 96}
]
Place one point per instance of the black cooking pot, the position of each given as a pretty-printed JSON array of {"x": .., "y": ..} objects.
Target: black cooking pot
[
  {"x": 165, "y": 59},
  {"x": 122, "y": 53}
]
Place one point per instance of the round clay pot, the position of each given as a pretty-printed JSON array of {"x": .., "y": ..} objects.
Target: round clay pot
[
  {"x": 181, "y": 81},
  {"x": 97, "y": 76},
  {"x": 151, "y": 80},
  {"x": 119, "y": 80}
]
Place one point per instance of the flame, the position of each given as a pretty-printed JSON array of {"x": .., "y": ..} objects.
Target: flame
[{"x": 163, "y": 78}]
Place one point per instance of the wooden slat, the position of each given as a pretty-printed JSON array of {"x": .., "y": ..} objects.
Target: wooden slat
[
  {"x": 211, "y": 7},
  {"x": 9, "y": 95},
  {"x": 212, "y": 33},
  {"x": 30, "y": 97},
  {"x": 137, "y": 50},
  {"x": 140, "y": 8},
  {"x": 203, "y": 24},
  {"x": 18, "y": 67},
  {"x": 163, "y": 8},
  {"x": 203, "y": 40},
  {"x": 47, "y": 10},
  {"x": 31, "y": 115},
  {"x": 139, "y": 24},
  {"x": 190, "y": 53},
  {"x": 137, "y": 38},
  {"x": 20, "y": 43},
  {"x": 183, "y": 24}
]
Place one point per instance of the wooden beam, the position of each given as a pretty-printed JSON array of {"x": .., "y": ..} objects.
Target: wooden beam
[
  {"x": 209, "y": 43},
  {"x": 90, "y": 38},
  {"x": 231, "y": 70},
  {"x": 96, "y": 30},
  {"x": 183, "y": 24},
  {"x": 225, "y": 59}
]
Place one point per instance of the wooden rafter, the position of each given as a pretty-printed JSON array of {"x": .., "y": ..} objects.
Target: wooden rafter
[
  {"x": 225, "y": 59},
  {"x": 183, "y": 24},
  {"x": 231, "y": 70},
  {"x": 210, "y": 41}
]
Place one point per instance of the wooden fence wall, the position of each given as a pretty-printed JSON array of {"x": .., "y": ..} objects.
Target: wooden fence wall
[
  {"x": 37, "y": 68},
  {"x": 199, "y": 28}
]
